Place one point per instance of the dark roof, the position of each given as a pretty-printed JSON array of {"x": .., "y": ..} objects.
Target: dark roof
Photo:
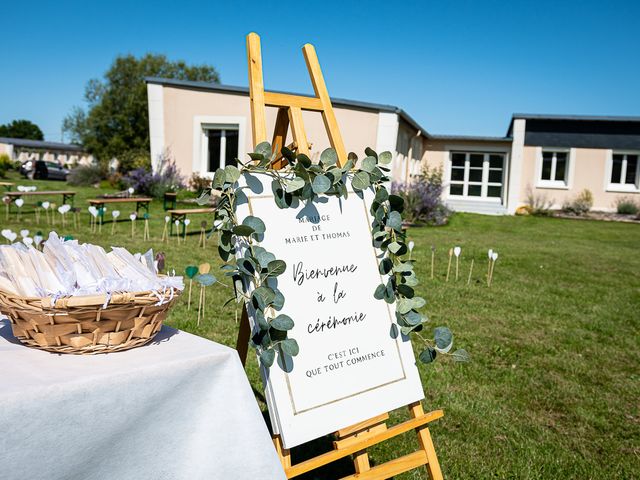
[
  {"x": 23, "y": 142},
  {"x": 472, "y": 138},
  {"x": 570, "y": 118},
  {"x": 337, "y": 102},
  {"x": 581, "y": 131}
]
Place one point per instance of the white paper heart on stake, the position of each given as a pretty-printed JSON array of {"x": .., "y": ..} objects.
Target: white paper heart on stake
[
  {"x": 19, "y": 202},
  {"x": 22, "y": 188},
  {"x": 177, "y": 222},
  {"x": 64, "y": 209},
  {"x": 494, "y": 256},
  {"x": 490, "y": 253},
  {"x": 115, "y": 213},
  {"x": 45, "y": 205},
  {"x": 166, "y": 219},
  {"x": 33, "y": 188},
  {"x": 187, "y": 221},
  {"x": 24, "y": 233},
  {"x": 92, "y": 210},
  {"x": 411, "y": 245},
  {"x": 133, "y": 216},
  {"x": 37, "y": 239},
  {"x": 28, "y": 241},
  {"x": 456, "y": 251},
  {"x": 131, "y": 190},
  {"x": 5, "y": 233},
  {"x": 11, "y": 236}
]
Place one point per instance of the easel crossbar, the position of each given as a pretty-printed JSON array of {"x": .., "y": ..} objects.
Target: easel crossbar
[
  {"x": 392, "y": 467},
  {"x": 334, "y": 455}
]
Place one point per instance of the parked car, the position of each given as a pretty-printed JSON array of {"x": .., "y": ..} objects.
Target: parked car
[{"x": 43, "y": 170}]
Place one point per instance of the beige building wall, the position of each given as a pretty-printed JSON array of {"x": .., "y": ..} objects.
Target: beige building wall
[
  {"x": 185, "y": 108},
  {"x": 588, "y": 169}
]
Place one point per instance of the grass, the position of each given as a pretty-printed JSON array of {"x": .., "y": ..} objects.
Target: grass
[{"x": 553, "y": 387}]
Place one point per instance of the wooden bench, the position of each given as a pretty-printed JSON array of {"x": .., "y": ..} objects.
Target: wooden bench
[
  {"x": 169, "y": 201},
  {"x": 141, "y": 202},
  {"x": 67, "y": 195},
  {"x": 6, "y": 185},
  {"x": 182, "y": 213}
]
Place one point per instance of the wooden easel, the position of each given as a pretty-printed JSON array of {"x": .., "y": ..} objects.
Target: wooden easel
[{"x": 356, "y": 439}]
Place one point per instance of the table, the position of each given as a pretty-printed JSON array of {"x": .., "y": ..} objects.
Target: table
[
  {"x": 139, "y": 201},
  {"x": 179, "y": 408},
  {"x": 169, "y": 200},
  {"x": 6, "y": 185},
  {"x": 181, "y": 214},
  {"x": 66, "y": 194}
]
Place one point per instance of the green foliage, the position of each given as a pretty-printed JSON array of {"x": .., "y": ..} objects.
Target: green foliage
[
  {"x": 537, "y": 203},
  {"x": 581, "y": 204},
  {"x": 198, "y": 183},
  {"x": 627, "y": 206},
  {"x": 134, "y": 159},
  {"x": 302, "y": 181},
  {"x": 21, "y": 129},
  {"x": 5, "y": 165},
  {"x": 116, "y": 119},
  {"x": 86, "y": 175}
]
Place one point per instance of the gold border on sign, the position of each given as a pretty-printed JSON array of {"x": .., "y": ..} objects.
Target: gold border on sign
[{"x": 389, "y": 315}]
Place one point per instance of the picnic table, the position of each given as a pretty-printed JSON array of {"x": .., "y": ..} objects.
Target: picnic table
[
  {"x": 6, "y": 185},
  {"x": 169, "y": 201},
  {"x": 99, "y": 203},
  {"x": 181, "y": 214},
  {"x": 67, "y": 195}
]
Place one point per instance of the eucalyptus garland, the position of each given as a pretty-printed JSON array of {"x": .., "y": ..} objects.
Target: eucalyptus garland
[{"x": 301, "y": 180}]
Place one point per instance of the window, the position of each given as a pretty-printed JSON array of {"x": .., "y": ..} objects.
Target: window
[
  {"x": 554, "y": 168},
  {"x": 222, "y": 146},
  {"x": 476, "y": 175},
  {"x": 624, "y": 171}
]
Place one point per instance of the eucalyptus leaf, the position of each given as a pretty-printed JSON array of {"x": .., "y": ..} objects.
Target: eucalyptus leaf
[
  {"x": 275, "y": 268},
  {"x": 394, "y": 220},
  {"x": 428, "y": 355},
  {"x": 243, "y": 230},
  {"x": 371, "y": 153},
  {"x": 294, "y": 184},
  {"x": 461, "y": 355},
  {"x": 205, "y": 279},
  {"x": 321, "y": 184},
  {"x": 368, "y": 164},
  {"x": 264, "y": 148},
  {"x": 218, "y": 178},
  {"x": 255, "y": 224},
  {"x": 385, "y": 158},
  {"x": 360, "y": 181},
  {"x": 282, "y": 322},
  {"x": 380, "y": 291},
  {"x": 329, "y": 157},
  {"x": 267, "y": 357},
  {"x": 443, "y": 338},
  {"x": 231, "y": 174},
  {"x": 290, "y": 347}
]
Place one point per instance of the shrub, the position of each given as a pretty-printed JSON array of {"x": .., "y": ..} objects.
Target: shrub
[
  {"x": 627, "y": 206},
  {"x": 134, "y": 160},
  {"x": 581, "y": 204},
  {"x": 166, "y": 179},
  {"x": 86, "y": 175},
  {"x": 198, "y": 183},
  {"x": 538, "y": 203},
  {"x": 423, "y": 198},
  {"x": 5, "y": 165}
]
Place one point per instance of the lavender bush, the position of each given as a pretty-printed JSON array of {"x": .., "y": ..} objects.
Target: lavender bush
[
  {"x": 156, "y": 184},
  {"x": 422, "y": 197}
]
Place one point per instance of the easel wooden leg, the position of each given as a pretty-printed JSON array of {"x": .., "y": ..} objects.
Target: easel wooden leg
[
  {"x": 256, "y": 89},
  {"x": 297, "y": 129},
  {"x": 280, "y": 136},
  {"x": 426, "y": 443},
  {"x": 283, "y": 453},
  {"x": 242, "y": 344}
]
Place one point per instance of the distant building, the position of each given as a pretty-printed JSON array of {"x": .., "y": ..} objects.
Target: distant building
[
  {"x": 21, "y": 150},
  {"x": 204, "y": 126}
]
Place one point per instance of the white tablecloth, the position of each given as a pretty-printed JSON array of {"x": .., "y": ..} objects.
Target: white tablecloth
[{"x": 180, "y": 408}]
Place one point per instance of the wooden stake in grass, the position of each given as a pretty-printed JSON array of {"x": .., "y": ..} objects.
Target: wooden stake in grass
[
  {"x": 133, "y": 217},
  {"x": 177, "y": 223},
  {"x": 146, "y": 235},
  {"x": 433, "y": 259},
  {"x": 114, "y": 221},
  {"x": 7, "y": 202},
  {"x": 490, "y": 255},
  {"x": 37, "y": 211},
  {"x": 449, "y": 266},
  {"x": 165, "y": 230},
  {"x": 46, "y": 205},
  {"x": 53, "y": 213},
  {"x": 63, "y": 209},
  {"x": 456, "y": 252},
  {"x": 19, "y": 202},
  {"x": 470, "y": 272},
  {"x": 191, "y": 271},
  {"x": 76, "y": 214},
  {"x": 411, "y": 245},
  {"x": 186, "y": 225},
  {"x": 204, "y": 278},
  {"x": 494, "y": 257}
]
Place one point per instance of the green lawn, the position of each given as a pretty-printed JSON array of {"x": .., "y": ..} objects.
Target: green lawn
[{"x": 553, "y": 390}]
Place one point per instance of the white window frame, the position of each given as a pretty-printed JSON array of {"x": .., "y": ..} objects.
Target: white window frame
[
  {"x": 621, "y": 187},
  {"x": 555, "y": 184},
  {"x": 485, "y": 174},
  {"x": 202, "y": 123}
]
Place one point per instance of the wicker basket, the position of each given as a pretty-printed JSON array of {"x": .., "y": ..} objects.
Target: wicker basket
[{"x": 80, "y": 325}]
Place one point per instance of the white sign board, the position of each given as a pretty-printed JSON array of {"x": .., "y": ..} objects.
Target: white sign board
[{"x": 352, "y": 364}]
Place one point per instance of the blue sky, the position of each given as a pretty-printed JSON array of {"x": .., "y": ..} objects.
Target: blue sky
[{"x": 457, "y": 67}]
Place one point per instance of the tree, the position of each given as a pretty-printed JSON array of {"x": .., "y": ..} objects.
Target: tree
[
  {"x": 21, "y": 129},
  {"x": 116, "y": 120}
]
